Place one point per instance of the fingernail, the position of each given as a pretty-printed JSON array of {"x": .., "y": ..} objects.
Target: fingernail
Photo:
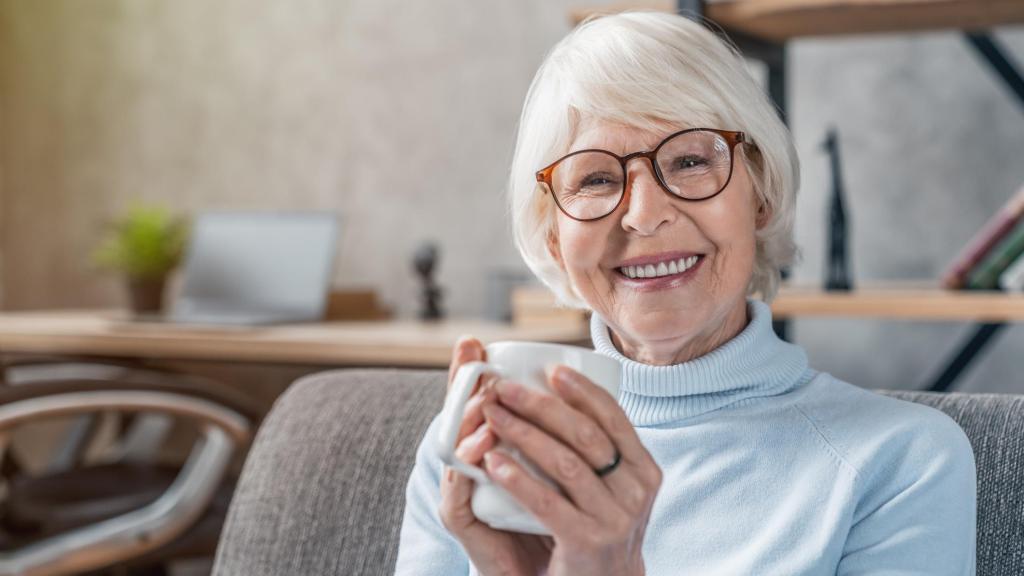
[
  {"x": 478, "y": 434},
  {"x": 509, "y": 390},
  {"x": 470, "y": 442},
  {"x": 496, "y": 413},
  {"x": 561, "y": 376},
  {"x": 550, "y": 370},
  {"x": 496, "y": 465}
]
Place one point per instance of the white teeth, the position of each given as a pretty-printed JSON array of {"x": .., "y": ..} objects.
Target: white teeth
[{"x": 662, "y": 269}]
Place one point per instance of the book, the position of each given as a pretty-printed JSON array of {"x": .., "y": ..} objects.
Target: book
[
  {"x": 1012, "y": 279},
  {"x": 985, "y": 276},
  {"x": 997, "y": 227}
]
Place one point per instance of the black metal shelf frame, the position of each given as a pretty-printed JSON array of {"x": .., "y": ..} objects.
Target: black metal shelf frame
[{"x": 773, "y": 55}]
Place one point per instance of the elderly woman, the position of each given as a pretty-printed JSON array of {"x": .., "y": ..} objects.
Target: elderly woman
[{"x": 654, "y": 184}]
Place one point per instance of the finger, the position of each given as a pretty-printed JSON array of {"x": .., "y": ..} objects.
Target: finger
[
  {"x": 588, "y": 493},
  {"x": 579, "y": 392},
  {"x": 628, "y": 483},
  {"x": 473, "y": 416},
  {"x": 456, "y": 492},
  {"x": 551, "y": 508},
  {"x": 573, "y": 428},
  {"x": 471, "y": 449},
  {"x": 466, "y": 349}
]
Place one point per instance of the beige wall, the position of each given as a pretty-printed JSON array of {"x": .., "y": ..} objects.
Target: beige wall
[
  {"x": 2, "y": 193},
  {"x": 376, "y": 111}
]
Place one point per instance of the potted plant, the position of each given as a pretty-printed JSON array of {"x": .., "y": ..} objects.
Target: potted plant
[{"x": 145, "y": 245}]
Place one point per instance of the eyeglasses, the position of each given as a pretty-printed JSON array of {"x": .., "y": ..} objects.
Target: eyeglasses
[{"x": 693, "y": 164}]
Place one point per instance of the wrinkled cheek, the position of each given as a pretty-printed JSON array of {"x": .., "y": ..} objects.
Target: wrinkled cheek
[
  {"x": 582, "y": 282},
  {"x": 716, "y": 272},
  {"x": 729, "y": 267},
  {"x": 599, "y": 281},
  {"x": 596, "y": 287},
  {"x": 612, "y": 292}
]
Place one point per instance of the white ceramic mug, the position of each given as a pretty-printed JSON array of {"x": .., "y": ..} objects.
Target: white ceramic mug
[{"x": 522, "y": 362}]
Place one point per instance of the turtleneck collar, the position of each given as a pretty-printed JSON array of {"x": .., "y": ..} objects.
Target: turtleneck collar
[{"x": 755, "y": 363}]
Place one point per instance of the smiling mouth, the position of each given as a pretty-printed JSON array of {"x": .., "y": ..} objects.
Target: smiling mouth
[{"x": 665, "y": 268}]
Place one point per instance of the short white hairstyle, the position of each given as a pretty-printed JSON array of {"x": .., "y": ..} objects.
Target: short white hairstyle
[{"x": 649, "y": 69}]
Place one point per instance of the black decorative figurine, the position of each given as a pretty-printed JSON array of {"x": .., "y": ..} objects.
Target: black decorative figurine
[
  {"x": 425, "y": 262},
  {"x": 837, "y": 276}
]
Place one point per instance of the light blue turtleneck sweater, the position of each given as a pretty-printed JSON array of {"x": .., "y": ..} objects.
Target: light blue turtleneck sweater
[{"x": 769, "y": 468}]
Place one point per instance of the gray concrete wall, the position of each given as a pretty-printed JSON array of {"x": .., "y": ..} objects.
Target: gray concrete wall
[
  {"x": 932, "y": 145},
  {"x": 399, "y": 117}
]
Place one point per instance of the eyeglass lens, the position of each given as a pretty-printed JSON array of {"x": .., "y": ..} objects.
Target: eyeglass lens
[{"x": 692, "y": 165}]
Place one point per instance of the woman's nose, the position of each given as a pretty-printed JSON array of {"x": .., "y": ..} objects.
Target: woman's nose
[{"x": 647, "y": 204}]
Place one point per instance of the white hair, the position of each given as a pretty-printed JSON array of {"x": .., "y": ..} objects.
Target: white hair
[{"x": 648, "y": 69}]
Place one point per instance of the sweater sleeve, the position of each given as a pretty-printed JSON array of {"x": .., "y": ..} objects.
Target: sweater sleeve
[
  {"x": 918, "y": 513},
  {"x": 425, "y": 546}
]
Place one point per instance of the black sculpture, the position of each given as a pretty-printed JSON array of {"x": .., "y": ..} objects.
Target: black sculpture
[
  {"x": 837, "y": 275},
  {"x": 425, "y": 263}
]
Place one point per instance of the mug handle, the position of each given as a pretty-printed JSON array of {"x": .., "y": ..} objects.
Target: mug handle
[{"x": 451, "y": 417}]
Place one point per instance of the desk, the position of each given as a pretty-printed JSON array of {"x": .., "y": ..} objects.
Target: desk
[{"x": 378, "y": 343}]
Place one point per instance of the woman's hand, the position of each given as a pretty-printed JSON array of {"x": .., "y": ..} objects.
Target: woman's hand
[
  {"x": 492, "y": 551},
  {"x": 599, "y": 523}
]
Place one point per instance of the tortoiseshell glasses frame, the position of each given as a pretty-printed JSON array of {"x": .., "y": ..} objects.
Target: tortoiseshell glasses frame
[{"x": 728, "y": 137}]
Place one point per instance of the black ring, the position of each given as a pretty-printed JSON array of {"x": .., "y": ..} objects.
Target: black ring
[{"x": 610, "y": 467}]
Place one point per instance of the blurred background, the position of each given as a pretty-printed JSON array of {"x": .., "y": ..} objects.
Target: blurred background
[{"x": 400, "y": 119}]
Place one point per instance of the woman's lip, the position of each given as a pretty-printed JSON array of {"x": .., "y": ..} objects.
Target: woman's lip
[
  {"x": 661, "y": 282},
  {"x": 656, "y": 258}
]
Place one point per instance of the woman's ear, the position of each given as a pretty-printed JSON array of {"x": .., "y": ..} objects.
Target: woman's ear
[
  {"x": 764, "y": 215},
  {"x": 753, "y": 163},
  {"x": 554, "y": 248}
]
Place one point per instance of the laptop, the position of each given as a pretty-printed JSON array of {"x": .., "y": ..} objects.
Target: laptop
[{"x": 251, "y": 268}]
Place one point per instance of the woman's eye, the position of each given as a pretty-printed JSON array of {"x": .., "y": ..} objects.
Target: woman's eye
[
  {"x": 690, "y": 162},
  {"x": 597, "y": 184}
]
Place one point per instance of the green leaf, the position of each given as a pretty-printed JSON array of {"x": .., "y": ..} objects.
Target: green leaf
[{"x": 147, "y": 242}]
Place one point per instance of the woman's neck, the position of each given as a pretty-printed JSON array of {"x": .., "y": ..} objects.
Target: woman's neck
[{"x": 667, "y": 353}]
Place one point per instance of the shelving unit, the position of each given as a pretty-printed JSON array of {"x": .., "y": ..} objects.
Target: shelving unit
[
  {"x": 761, "y": 29},
  {"x": 781, "y": 20},
  {"x": 900, "y": 301}
]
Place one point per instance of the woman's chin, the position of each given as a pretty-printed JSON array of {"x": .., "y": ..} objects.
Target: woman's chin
[{"x": 661, "y": 325}]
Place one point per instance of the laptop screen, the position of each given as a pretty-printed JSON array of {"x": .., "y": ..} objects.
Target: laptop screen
[{"x": 259, "y": 262}]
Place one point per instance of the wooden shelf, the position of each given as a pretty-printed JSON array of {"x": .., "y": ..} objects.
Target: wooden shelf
[
  {"x": 912, "y": 299},
  {"x": 779, "y": 20},
  {"x": 902, "y": 301}
]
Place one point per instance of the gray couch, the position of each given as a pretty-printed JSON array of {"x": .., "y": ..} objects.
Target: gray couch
[{"x": 323, "y": 487}]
